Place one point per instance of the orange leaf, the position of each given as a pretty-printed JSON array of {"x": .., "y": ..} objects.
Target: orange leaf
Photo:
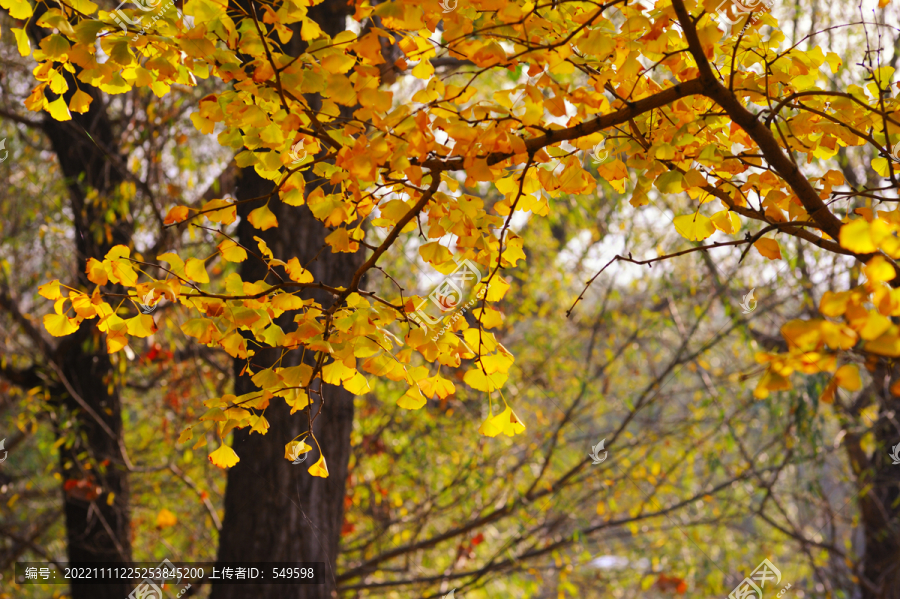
[
  {"x": 768, "y": 248},
  {"x": 165, "y": 519},
  {"x": 176, "y": 215}
]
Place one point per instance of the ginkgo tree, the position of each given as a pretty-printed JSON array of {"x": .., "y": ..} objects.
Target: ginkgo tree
[
  {"x": 393, "y": 174},
  {"x": 743, "y": 125}
]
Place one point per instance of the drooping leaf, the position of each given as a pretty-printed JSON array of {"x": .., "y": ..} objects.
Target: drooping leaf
[{"x": 224, "y": 457}]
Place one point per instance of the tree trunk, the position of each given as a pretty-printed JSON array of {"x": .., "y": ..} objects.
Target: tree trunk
[
  {"x": 96, "y": 531},
  {"x": 878, "y": 483},
  {"x": 274, "y": 510}
]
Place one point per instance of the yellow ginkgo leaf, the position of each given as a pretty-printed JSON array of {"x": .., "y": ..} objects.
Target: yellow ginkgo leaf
[
  {"x": 694, "y": 227},
  {"x": 726, "y": 221},
  {"x": 297, "y": 273},
  {"x": 310, "y": 30},
  {"x": 828, "y": 392},
  {"x": 877, "y": 270},
  {"x": 232, "y": 252},
  {"x": 489, "y": 318},
  {"x": 262, "y": 218},
  {"x": 337, "y": 372},
  {"x": 412, "y": 399},
  {"x": 847, "y": 377},
  {"x": 357, "y": 385},
  {"x": 18, "y": 9},
  {"x": 196, "y": 270},
  {"x": 115, "y": 341},
  {"x": 768, "y": 248},
  {"x": 224, "y": 457},
  {"x": 226, "y": 214},
  {"x": 96, "y": 272},
  {"x": 496, "y": 291},
  {"x": 260, "y": 424},
  {"x": 855, "y": 237},
  {"x": 165, "y": 519},
  {"x": 60, "y": 325},
  {"x": 23, "y": 44},
  {"x": 437, "y": 385},
  {"x": 263, "y": 247},
  {"x": 186, "y": 435},
  {"x": 296, "y": 399},
  {"x": 296, "y": 376},
  {"x": 886, "y": 345},
  {"x": 872, "y": 325},
  {"x": 122, "y": 272},
  {"x": 85, "y": 7},
  {"x": 340, "y": 241},
  {"x": 59, "y": 111},
  {"x": 203, "y": 329},
  {"x": 235, "y": 344},
  {"x": 508, "y": 423},
  {"x": 287, "y": 301},
  {"x": 50, "y": 290},
  {"x": 490, "y": 427},
  {"x": 80, "y": 102},
  {"x": 83, "y": 306},
  {"x": 434, "y": 253},
  {"x": 141, "y": 326},
  {"x": 319, "y": 469},
  {"x": 477, "y": 379}
]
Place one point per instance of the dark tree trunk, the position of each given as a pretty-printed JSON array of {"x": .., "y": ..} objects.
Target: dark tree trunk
[
  {"x": 93, "y": 466},
  {"x": 274, "y": 510},
  {"x": 878, "y": 480},
  {"x": 96, "y": 531}
]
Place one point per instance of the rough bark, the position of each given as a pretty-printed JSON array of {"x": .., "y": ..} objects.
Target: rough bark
[
  {"x": 274, "y": 510},
  {"x": 95, "y": 530},
  {"x": 878, "y": 482}
]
